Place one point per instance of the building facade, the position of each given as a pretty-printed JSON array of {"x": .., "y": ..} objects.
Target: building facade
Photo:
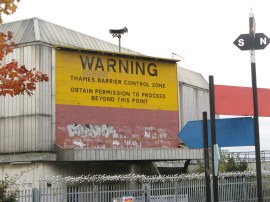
[{"x": 101, "y": 111}]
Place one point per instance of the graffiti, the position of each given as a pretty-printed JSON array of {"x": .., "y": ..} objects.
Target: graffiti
[
  {"x": 153, "y": 133},
  {"x": 147, "y": 134},
  {"x": 89, "y": 130},
  {"x": 61, "y": 128},
  {"x": 116, "y": 143},
  {"x": 127, "y": 143},
  {"x": 79, "y": 143},
  {"x": 108, "y": 136},
  {"x": 133, "y": 144}
]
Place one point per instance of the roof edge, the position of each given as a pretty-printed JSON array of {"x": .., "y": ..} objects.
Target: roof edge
[{"x": 117, "y": 53}]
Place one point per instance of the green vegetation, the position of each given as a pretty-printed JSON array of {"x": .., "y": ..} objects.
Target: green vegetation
[
  {"x": 232, "y": 165},
  {"x": 227, "y": 163},
  {"x": 8, "y": 191}
]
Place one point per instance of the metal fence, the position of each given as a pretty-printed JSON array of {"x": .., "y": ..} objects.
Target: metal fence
[
  {"x": 249, "y": 156},
  {"x": 233, "y": 187}
]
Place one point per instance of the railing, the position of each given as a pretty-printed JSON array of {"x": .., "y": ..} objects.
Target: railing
[
  {"x": 234, "y": 187},
  {"x": 250, "y": 156}
]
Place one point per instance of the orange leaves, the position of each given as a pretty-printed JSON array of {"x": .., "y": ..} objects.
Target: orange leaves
[
  {"x": 5, "y": 44},
  {"x": 7, "y": 7},
  {"x": 16, "y": 80}
]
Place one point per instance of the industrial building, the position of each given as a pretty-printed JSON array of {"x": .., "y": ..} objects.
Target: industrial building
[{"x": 101, "y": 111}]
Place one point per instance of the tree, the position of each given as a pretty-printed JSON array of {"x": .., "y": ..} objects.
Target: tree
[
  {"x": 7, "y": 7},
  {"x": 227, "y": 163},
  {"x": 232, "y": 165},
  {"x": 15, "y": 80}
]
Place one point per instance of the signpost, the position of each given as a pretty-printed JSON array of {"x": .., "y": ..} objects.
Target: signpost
[
  {"x": 230, "y": 132},
  {"x": 237, "y": 100},
  {"x": 260, "y": 42},
  {"x": 213, "y": 135},
  {"x": 206, "y": 158},
  {"x": 252, "y": 43}
]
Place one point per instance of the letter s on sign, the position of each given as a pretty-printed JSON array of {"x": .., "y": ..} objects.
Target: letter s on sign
[{"x": 241, "y": 42}]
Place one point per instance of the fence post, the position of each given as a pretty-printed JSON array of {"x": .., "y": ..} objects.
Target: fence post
[
  {"x": 244, "y": 187},
  {"x": 35, "y": 192},
  {"x": 176, "y": 190},
  {"x": 146, "y": 192},
  {"x": 96, "y": 193}
]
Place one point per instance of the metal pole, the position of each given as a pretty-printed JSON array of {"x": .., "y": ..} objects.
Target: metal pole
[
  {"x": 206, "y": 158},
  {"x": 255, "y": 103},
  {"x": 119, "y": 39},
  {"x": 36, "y": 195},
  {"x": 213, "y": 134}
]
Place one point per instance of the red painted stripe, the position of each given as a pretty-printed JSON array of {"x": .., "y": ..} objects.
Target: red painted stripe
[
  {"x": 79, "y": 126},
  {"x": 234, "y": 100}
]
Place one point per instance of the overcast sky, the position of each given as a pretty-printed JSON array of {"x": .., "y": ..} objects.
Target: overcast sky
[{"x": 202, "y": 32}]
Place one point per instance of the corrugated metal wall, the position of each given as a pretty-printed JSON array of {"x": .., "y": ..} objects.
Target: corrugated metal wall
[
  {"x": 26, "y": 121},
  {"x": 193, "y": 101}
]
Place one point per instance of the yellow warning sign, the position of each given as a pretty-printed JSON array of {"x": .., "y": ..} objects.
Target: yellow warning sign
[{"x": 94, "y": 79}]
